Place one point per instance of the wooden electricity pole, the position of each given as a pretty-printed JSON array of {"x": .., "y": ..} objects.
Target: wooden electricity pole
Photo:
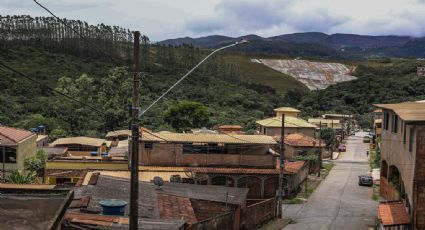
[
  {"x": 134, "y": 182},
  {"x": 281, "y": 166}
]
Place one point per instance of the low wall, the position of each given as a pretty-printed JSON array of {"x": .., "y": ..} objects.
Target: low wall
[
  {"x": 257, "y": 214},
  {"x": 224, "y": 221}
]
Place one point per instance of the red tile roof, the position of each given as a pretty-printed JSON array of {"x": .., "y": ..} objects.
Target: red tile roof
[
  {"x": 291, "y": 167},
  {"x": 12, "y": 136},
  {"x": 300, "y": 140},
  {"x": 393, "y": 213},
  {"x": 176, "y": 207}
]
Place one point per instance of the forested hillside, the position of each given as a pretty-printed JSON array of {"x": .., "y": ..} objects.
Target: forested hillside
[
  {"x": 227, "y": 89},
  {"x": 105, "y": 83},
  {"x": 379, "y": 81}
]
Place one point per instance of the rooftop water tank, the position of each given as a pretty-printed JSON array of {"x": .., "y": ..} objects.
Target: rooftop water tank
[{"x": 113, "y": 207}]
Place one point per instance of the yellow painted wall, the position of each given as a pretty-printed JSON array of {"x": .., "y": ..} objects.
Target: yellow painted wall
[
  {"x": 288, "y": 114},
  {"x": 26, "y": 148},
  {"x": 81, "y": 165}
]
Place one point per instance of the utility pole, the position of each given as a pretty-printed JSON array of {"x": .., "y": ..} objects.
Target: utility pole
[
  {"x": 4, "y": 162},
  {"x": 281, "y": 166},
  {"x": 343, "y": 127},
  {"x": 320, "y": 148},
  {"x": 134, "y": 182}
]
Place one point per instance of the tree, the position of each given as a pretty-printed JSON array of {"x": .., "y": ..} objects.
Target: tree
[
  {"x": 186, "y": 115},
  {"x": 36, "y": 163},
  {"x": 328, "y": 135}
]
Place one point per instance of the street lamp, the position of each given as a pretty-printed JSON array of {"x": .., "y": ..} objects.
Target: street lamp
[
  {"x": 134, "y": 189},
  {"x": 242, "y": 41}
]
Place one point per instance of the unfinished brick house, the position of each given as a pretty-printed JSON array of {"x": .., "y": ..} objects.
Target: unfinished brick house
[
  {"x": 403, "y": 158},
  {"x": 233, "y": 160}
]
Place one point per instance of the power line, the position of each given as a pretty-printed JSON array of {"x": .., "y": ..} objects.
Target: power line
[
  {"x": 48, "y": 87},
  {"x": 75, "y": 31},
  {"x": 187, "y": 74}
]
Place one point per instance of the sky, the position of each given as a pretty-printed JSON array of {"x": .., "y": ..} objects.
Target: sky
[{"x": 164, "y": 19}]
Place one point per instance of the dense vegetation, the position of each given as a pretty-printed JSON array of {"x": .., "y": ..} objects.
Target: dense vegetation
[
  {"x": 105, "y": 84},
  {"x": 234, "y": 90},
  {"x": 381, "y": 81}
]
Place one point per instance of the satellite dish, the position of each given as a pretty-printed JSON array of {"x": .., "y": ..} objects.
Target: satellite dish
[{"x": 158, "y": 181}]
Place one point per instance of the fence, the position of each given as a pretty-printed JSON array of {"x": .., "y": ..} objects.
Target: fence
[{"x": 258, "y": 213}]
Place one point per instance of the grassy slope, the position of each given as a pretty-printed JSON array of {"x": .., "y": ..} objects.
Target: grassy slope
[{"x": 261, "y": 74}]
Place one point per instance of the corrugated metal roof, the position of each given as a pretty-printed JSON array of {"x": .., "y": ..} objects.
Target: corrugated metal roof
[
  {"x": 290, "y": 122},
  {"x": 89, "y": 141},
  {"x": 327, "y": 121},
  {"x": 287, "y": 109},
  {"x": 117, "y": 133},
  {"x": 208, "y": 138},
  {"x": 408, "y": 111},
  {"x": 12, "y": 136}
]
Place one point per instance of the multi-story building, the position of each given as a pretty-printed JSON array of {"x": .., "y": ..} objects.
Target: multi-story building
[
  {"x": 16, "y": 145},
  {"x": 293, "y": 124},
  {"x": 403, "y": 158}
]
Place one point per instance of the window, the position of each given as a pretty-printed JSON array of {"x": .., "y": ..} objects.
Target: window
[
  {"x": 264, "y": 130},
  {"x": 149, "y": 145},
  {"x": 195, "y": 148},
  {"x": 394, "y": 125},
  {"x": 10, "y": 154},
  {"x": 411, "y": 136},
  {"x": 386, "y": 120},
  {"x": 404, "y": 132}
]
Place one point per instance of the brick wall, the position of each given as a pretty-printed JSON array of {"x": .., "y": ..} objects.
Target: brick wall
[
  {"x": 208, "y": 209},
  {"x": 172, "y": 155}
]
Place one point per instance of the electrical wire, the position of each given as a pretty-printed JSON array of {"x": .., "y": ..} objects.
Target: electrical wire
[
  {"x": 50, "y": 88},
  {"x": 184, "y": 76}
]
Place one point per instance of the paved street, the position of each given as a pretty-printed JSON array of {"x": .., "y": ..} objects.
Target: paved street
[{"x": 339, "y": 202}]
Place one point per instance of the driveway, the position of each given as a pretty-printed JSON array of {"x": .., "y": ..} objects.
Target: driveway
[{"x": 339, "y": 202}]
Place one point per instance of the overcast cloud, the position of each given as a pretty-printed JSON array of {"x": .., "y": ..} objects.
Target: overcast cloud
[{"x": 162, "y": 19}]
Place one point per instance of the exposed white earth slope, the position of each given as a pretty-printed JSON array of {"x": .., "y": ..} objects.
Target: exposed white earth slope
[{"x": 315, "y": 75}]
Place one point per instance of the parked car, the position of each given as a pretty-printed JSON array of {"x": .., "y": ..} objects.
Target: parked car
[
  {"x": 366, "y": 139},
  {"x": 342, "y": 148},
  {"x": 366, "y": 180}
]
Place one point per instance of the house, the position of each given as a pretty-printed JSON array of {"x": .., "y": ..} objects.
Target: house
[
  {"x": 16, "y": 144},
  {"x": 326, "y": 123},
  {"x": 236, "y": 129},
  {"x": 55, "y": 152},
  {"x": 185, "y": 205},
  {"x": 42, "y": 140},
  {"x": 298, "y": 144},
  {"x": 119, "y": 135},
  {"x": 293, "y": 124},
  {"x": 83, "y": 146},
  {"x": 26, "y": 206},
  {"x": 403, "y": 158},
  {"x": 215, "y": 159},
  {"x": 335, "y": 116}
]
